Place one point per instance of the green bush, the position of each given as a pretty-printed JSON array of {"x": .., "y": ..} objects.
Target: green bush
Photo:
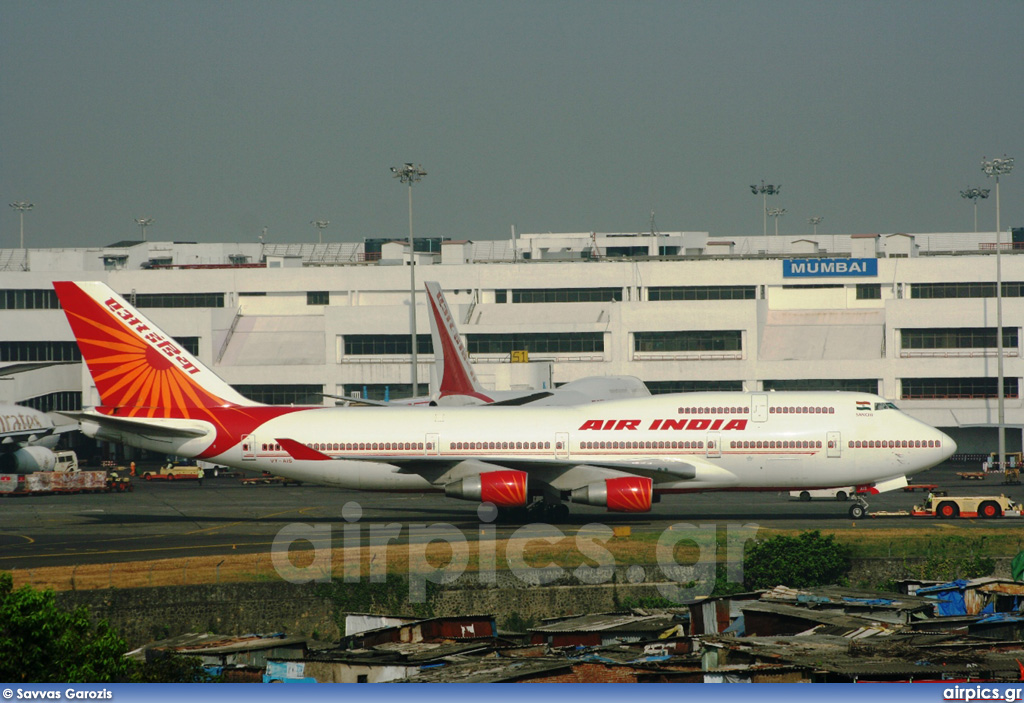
[
  {"x": 41, "y": 643},
  {"x": 806, "y": 560}
]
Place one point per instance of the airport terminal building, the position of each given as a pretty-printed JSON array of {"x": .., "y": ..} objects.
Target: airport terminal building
[{"x": 911, "y": 317}]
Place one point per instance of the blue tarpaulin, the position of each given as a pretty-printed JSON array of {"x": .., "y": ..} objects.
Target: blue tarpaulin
[{"x": 950, "y": 597}]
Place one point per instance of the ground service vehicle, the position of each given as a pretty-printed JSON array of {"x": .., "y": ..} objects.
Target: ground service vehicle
[
  {"x": 65, "y": 462},
  {"x": 939, "y": 504},
  {"x": 171, "y": 472},
  {"x": 839, "y": 494},
  {"x": 57, "y": 482}
]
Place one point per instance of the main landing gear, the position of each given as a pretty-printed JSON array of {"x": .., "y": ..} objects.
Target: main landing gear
[
  {"x": 548, "y": 512},
  {"x": 538, "y": 511},
  {"x": 859, "y": 509}
]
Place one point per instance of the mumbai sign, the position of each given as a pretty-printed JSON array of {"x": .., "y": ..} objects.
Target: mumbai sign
[{"x": 830, "y": 268}]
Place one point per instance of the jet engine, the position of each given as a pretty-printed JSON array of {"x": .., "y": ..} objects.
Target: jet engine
[
  {"x": 27, "y": 460},
  {"x": 506, "y": 489},
  {"x": 628, "y": 494}
]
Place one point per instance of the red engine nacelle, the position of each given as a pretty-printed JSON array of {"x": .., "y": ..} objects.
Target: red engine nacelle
[
  {"x": 629, "y": 494},
  {"x": 506, "y": 489}
]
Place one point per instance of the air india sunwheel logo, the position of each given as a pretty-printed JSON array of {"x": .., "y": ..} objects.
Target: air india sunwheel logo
[{"x": 143, "y": 375}]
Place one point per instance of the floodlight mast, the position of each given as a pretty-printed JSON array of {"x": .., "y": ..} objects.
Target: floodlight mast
[
  {"x": 22, "y": 207},
  {"x": 765, "y": 190},
  {"x": 777, "y": 212},
  {"x": 973, "y": 194},
  {"x": 411, "y": 174},
  {"x": 320, "y": 225},
  {"x": 144, "y": 222},
  {"x": 994, "y": 169},
  {"x": 815, "y": 221}
]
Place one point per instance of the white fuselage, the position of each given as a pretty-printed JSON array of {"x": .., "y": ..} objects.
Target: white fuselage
[{"x": 739, "y": 441}]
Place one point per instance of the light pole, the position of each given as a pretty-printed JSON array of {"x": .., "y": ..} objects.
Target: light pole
[
  {"x": 777, "y": 212},
  {"x": 320, "y": 225},
  {"x": 411, "y": 174},
  {"x": 144, "y": 222},
  {"x": 973, "y": 194},
  {"x": 21, "y": 206},
  {"x": 994, "y": 169},
  {"x": 815, "y": 221},
  {"x": 765, "y": 191}
]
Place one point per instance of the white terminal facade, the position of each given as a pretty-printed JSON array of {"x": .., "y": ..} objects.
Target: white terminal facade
[{"x": 910, "y": 317}]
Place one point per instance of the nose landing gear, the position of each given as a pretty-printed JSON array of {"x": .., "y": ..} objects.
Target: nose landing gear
[{"x": 859, "y": 509}]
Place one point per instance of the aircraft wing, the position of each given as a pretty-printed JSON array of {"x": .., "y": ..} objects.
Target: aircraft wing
[
  {"x": 649, "y": 468},
  {"x": 16, "y": 438},
  {"x": 658, "y": 470},
  {"x": 141, "y": 426},
  {"x": 523, "y": 400}
]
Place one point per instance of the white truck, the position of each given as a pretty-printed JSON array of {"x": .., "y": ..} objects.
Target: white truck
[{"x": 839, "y": 494}]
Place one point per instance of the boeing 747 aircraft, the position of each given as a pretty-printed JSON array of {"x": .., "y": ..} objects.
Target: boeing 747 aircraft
[{"x": 620, "y": 454}]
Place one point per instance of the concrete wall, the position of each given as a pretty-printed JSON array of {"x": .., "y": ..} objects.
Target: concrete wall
[
  {"x": 145, "y": 614},
  {"x": 142, "y": 615}
]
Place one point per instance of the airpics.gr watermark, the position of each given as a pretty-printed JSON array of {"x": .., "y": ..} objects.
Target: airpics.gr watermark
[{"x": 678, "y": 582}]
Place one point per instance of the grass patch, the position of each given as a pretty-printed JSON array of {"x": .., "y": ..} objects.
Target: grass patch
[{"x": 944, "y": 541}]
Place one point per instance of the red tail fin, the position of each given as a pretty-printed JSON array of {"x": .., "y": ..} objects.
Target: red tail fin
[
  {"x": 136, "y": 366},
  {"x": 455, "y": 373}
]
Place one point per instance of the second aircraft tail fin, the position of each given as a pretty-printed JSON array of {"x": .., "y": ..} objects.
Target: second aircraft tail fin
[{"x": 455, "y": 375}]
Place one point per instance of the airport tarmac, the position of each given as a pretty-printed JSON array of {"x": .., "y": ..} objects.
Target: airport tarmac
[{"x": 183, "y": 519}]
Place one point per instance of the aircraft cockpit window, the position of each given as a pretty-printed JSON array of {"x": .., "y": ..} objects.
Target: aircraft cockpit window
[{"x": 885, "y": 406}]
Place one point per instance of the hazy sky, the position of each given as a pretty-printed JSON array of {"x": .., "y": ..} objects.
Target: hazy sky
[{"x": 217, "y": 118}]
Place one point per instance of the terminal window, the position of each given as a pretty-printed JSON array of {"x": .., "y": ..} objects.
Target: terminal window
[
  {"x": 869, "y": 291},
  {"x": 659, "y": 387},
  {"x": 176, "y": 300},
  {"x": 957, "y": 338},
  {"x": 1011, "y": 289},
  {"x": 702, "y": 293},
  {"x": 566, "y": 295},
  {"x": 189, "y": 344},
  {"x": 29, "y": 299},
  {"x": 858, "y": 385},
  {"x": 539, "y": 343},
  {"x": 377, "y": 344},
  {"x": 39, "y": 351},
  {"x": 60, "y": 401},
  {"x": 383, "y": 391},
  {"x": 984, "y": 387},
  {"x": 688, "y": 341},
  {"x": 283, "y": 394}
]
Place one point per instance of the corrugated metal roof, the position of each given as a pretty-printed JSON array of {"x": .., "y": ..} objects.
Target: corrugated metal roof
[
  {"x": 825, "y": 617},
  {"x": 603, "y": 622}
]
